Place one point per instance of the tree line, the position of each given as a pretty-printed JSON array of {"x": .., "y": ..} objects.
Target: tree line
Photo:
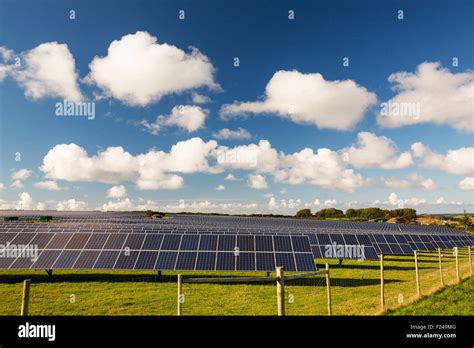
[{"x": 362, "y": 214}]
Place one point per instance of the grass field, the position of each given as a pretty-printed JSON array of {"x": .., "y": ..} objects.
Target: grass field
[
  {"x": 355, "y": 290},
  {"x": 453, "y": 300}
]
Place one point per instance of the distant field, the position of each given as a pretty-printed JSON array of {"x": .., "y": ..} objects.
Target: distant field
[
  {"x": 355, "y": 291},
  {"x": 453, "y": 300}
]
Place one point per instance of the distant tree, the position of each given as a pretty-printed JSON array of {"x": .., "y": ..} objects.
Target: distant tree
[
  {"x": 406, "y": 213},
  {"x": 373, "y": 213},
  {"x": 351, "y": 213},
  {"x": 329, "y": 213},
  {"x": 303, "y": 213}
]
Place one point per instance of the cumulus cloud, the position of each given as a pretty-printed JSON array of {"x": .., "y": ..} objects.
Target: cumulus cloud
[
  {"x": 119, "y": 205},
  {"x": 227, "y": 133},
  {"x": 257, "y": 181},
  {"x": 309, "y": 99},
  {"x": 324, "y": 168},
  {"x": 48, "y": 70},
  {"x": 466, "y": 184},
  {"x": 49, "y": 185},
  {"x": 138, "y": 70},
  {"x": 393, "y": 199},
  {"x": 220, "y": 188},
  {"x": 157, "y": 169},
  {"x": 372, "y": 151},
  {"x": 459, "y": 161},
  {"x": 198, "y": 98},
  {"x": 25, "y": 202},
  {"x": 261, "y": 157},
  {"x": 188, "y": 117},
  {"x": 229, "y": 177},
  {"x": 72, "y": 204},
  {"x": 443, "y": 98},
  {"x": 412, "y": 181},
  {"x": 151, "y": 170},
  {"x": 118, "y": 191},
  {"x": 21, "y": 174}
]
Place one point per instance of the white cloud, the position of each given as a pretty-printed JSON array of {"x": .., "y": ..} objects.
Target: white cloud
[
  {"x": 150, "y": 171},
  {"x": 374, "y": 151},
  {"x": 230, "y": 177},
  {"x": 459, "y": 161},
  {"x": 412, "y": 181},
  {"x": 466, "y": 184},
  {"x": 138, "y": 70},
  {"x": 309, "y": 99},
  {"x": 283, "y": 191},
  {"x": 25, "y": 202},
  {"x": 330, "y": 202},
  {"x": 118, "y": 191},
  {"x": 47, "y": 185},
  {"x": 444, "y": 98},
  {"x": 220, "y": 188},
  {"x": 120, "y": 205},
  {"x": 257, "y": 181},
  {"x": 21, "y": 174},
  {"x": 199, "y": 98},
  {"x": 272, "y": 203},
  {"x": 440, "y": 200},
  {"x": 49, "y": 70},
  {"x": 17, "y": 184},
  {"x": 71, "y": 204},
  {"x": 324, "y": 168},
  {"x": 6, "y": 53},
  {"x": 261, "y": 158},
  {"x": 41, "y": 206},
  {"x": 227, "y": 133},
  {"x": 2, "y": 186},
  {"x": 5, "y": 70},
  {"x": 393, "y": 199},
  {"x": 188, "y": 117}
]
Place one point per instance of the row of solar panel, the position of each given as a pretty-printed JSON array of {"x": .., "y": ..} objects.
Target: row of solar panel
[
  {"x": 212, "y": 222},
  {"x": 157, "y": 241},
  {"x": 162, "y": 260},
  {"x": 246, "y": 232}
]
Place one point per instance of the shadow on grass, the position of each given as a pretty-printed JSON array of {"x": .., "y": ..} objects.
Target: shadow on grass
[
  {"x": 376, "y": 267},
  {"x": 122, "y": 278}
]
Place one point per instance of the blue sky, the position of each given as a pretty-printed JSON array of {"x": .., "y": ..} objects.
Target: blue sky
[{"x": 433, "y": 177}]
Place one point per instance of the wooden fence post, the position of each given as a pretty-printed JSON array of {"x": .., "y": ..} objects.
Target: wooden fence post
[
  {"x": 470, "y": 259},
  {"x": 328, "y": 286},
  {"x": 440, "y": 267},
  {"x": 280, "y": 273},
  {"x": 180, "y": 294},
  {"x": 382, "y": 295},
  {"x": 26, "y": 297},
  {"x": 418, "y": 290},
  {"x": 456, "y": 252}
]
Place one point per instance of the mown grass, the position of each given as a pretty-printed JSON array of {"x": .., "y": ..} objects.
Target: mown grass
[
  {"x": 355, "y": 290},
  {"x": 452, "y": 300}
]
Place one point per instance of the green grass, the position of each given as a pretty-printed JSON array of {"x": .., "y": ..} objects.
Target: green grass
[
  {"x": 355, "y": 288},
  {"x": 453, "y": 300}
]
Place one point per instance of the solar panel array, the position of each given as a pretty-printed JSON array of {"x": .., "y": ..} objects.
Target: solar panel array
[
  {"x": 60, "y": 241},
  {"x": 159, "y": 251}
]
